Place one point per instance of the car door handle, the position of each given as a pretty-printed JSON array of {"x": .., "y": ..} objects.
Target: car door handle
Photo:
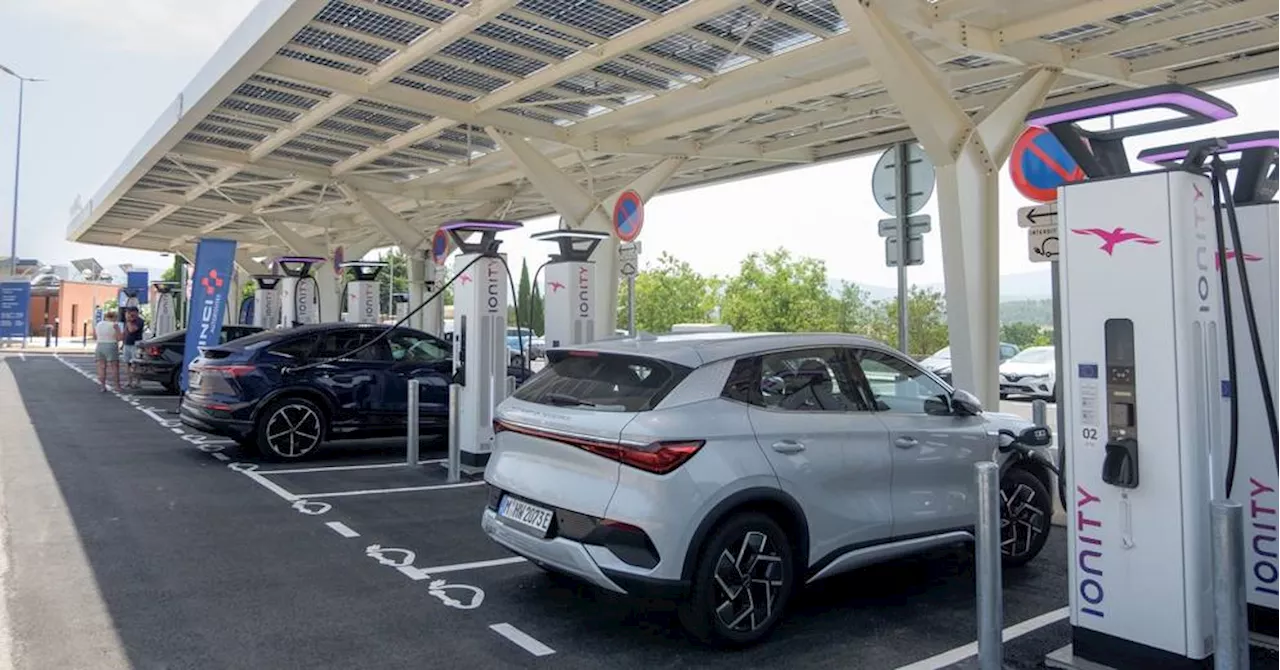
[
  {"x": 788, "y": 447},
  {"x": 905, "y": 442}
]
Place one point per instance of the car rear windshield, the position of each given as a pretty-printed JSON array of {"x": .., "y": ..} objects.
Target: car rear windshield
[{"x": 603, "y": 381}]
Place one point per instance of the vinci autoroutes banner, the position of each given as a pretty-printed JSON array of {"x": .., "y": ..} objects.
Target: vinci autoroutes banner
[{"x": 210, "y": 286}]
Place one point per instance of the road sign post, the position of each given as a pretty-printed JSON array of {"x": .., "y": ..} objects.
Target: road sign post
[
  {"x": 1041, "y": 224},
  {"x": 902, "y": 183},
  {"x": 629, "y": 263}
]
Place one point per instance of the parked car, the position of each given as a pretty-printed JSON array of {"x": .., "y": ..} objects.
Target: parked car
[
  {"x": 725, "y": 471},
  {"x": 533, "y": 345},
  {"x": 259, "y": 390},
  {"x": 159, "y": 359},
  {"x": 515, "y": 357},
  {"x": 1032, "y": 372},
  {"x": 940, "y": 362}
]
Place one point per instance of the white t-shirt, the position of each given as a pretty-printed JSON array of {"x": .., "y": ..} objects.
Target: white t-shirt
[{"x": 106, "y": 331}]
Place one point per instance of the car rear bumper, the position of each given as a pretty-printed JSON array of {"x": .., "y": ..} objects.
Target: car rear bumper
[
  {"x": 204, "y": 420},
  {"x": 1034, "y": 387},
  {"x": 556, "y": 553},
  {"x": 156, "y": 371}
]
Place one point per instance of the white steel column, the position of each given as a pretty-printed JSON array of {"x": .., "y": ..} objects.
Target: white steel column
[
  {"x": 417, "y": 287},
  {"x": 968, "y": 154},
  {"x": 580, "y": 209}
]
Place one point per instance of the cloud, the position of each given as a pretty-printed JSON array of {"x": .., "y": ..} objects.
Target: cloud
[{"x": 149, "y": 26}]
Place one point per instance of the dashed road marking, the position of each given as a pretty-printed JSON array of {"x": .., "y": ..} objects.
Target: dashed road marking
[
  {"x": 342, "y": 529},
  {"x": 958, "y": 654},
  {"x": 221, "y": 457},
  {"x": 522, "y": 639}
]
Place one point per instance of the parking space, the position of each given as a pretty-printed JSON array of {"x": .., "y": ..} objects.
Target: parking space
[{"x": 355, "y": 559}]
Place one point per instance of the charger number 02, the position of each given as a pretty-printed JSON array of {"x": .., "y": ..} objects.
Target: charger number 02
[{"x": 1089, "y": 434}]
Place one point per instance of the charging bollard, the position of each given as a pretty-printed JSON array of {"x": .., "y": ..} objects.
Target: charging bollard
[
  {"x": 455, "y": 445},
  {"x": 84, "y": 340},
  {"x": 411, "y": 452},
  {"x": 1230, "y": 596},
  {"x": 987, "y": 553},
  {"x": 1039, "y": 412}
]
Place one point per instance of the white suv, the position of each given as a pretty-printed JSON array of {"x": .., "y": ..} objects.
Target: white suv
[{"x": 726, "y": 470}]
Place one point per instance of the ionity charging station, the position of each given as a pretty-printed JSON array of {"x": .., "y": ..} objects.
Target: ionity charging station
[
  {"x": 299, "y": 292},
  {"x": 1253, "y": 474},
  {"x": 164, "y": 316},
  {"x": 362, "y": 290},
  {"x": 569, "y": 294},
  {"x": 1143, "y": 330},
  {"x": 480, "y": 348},
  {"x": 266, "y": 301}
]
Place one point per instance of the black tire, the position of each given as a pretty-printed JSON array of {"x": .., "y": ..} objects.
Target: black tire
[
  {"x": 173, "y": 385},
  {"x": 1026, "y": 514},
  {"x": 751, "y": 554},
  {"x": 1004, "y": 396},
  {"x": 290, "y": 429},
  {"x": 517, "y": 361}
]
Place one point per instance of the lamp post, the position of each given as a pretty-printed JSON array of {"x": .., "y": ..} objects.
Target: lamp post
[{"x": 17, "y": 169}]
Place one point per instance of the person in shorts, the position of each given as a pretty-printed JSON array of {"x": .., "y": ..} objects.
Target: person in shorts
[
  {"x": 134, "y": 327},
  {"x": 107, "y": 352}
]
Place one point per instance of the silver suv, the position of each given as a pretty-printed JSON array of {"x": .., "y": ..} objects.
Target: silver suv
[{"x": 724, "y": 471}]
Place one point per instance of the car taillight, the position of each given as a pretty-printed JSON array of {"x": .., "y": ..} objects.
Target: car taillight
[
  {"x": 659, "y": 457},
  {"x": 154, "y": 352},
  {"x": 232, "y": 370}
]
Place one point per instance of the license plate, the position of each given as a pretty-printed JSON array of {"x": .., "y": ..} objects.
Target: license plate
[
  {"x": 193, "y": 379},
  {"x": 525, "y": 514}
]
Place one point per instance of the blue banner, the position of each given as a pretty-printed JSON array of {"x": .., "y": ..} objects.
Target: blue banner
[
  {"x": 210, "y": 286},
  {"x": 138, "y": 282},
  {"x": 246, "y": 311},
  {"x": 15, "y": 305}
]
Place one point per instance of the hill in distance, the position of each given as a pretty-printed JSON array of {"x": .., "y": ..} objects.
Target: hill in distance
[{"x": 1013, "y": 287}]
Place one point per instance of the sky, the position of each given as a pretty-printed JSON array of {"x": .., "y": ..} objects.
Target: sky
[{"x": 113, "y": 66}]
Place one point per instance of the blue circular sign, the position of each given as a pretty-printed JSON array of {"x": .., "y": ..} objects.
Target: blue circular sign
[
  {"x": 628, "y": 216},
  {"x": 440, "y": 245},
  {"x": 1039, "y": 164}
]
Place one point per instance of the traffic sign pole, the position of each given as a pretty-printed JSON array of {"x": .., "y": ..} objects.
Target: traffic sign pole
[{"x": 904, "y": 187}]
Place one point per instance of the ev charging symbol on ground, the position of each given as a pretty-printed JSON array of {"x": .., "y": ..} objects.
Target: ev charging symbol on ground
[
  {"x": 375, "y": 551},
  {"x": 312, "y": 507}
]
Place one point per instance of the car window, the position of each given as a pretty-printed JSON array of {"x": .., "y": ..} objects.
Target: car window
[
  {"x": 808, "y": 380},
  {"x": 1007, "y": 351},
  {"x": 602, "y": 382},
  {"x": 298, "y": 347},
  {"x": 413, "y": 348},
  {"x": 341, "y": 343},
  {"x": 896, "y": 385}
]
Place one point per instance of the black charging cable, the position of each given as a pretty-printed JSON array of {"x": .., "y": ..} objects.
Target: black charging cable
[
  {"x": 387, "y": 333},
  {"x": 1251, "y": 317},
  {"x": 1228, "y": 320}
]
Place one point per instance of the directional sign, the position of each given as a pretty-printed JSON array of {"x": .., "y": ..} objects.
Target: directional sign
[
  {"x": 1038, "y": 215},
  {"x": 915, "y": 251},
  {"x": 629, "y": 259},
  {"x": 920, "y": 177},
  {"x": 628, "y": 216},
  {"x": 1042, "y": 243},
  {"x": 1039, "y": 164},
  {"x": 440, "y": 246},
  {"x": 916, "y": 225}
]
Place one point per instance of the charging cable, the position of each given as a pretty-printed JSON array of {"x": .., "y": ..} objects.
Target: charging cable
[{"x": 386, "y": 333}]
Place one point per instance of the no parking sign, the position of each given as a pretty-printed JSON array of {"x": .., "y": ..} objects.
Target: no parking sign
[
  {"x": 628, "y": 216},
  {"x": 1039, "y": 164},
  {"x": 439, "y": 246}
]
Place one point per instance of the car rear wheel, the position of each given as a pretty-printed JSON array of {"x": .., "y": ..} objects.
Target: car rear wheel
[
  {"x": 290, "y": 429},
  {"x": 173, "y": 385},
  {"x": 1026, "y": 510},
  {"x": 742, "y": 582}
]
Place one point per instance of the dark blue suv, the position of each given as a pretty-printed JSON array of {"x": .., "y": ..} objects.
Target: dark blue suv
[{"x": 251, "y": 391}]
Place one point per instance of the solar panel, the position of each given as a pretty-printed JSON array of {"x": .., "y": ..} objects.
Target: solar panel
[
  {"x": 218, "y": 141},
  {"x": 478, "y": 138},
  {"x": 354, "y": 129},
  {"x": 633, "y": 74},
  {"x": 371, "y": 22},
  {"x": 692, "y": 51},
  {"x": 321, "y": 61},
  {"x": 422, "y": 85},
  {"x": 374, "y": 118},
  {"x": 250, "y": 90},
  {"x": 591, "y": 16},
  {"x": 422, "y": 9},
  {"x": 341, "y": 45},
  {"x": 275, "y": 82},
  {"x": 497, "y": 31},
  {"x": 821, "y": 13},
  {"x": 452, "y": 74},
  {"x": 259, "y": 110},
  {"x": 492, "y": 57},
  {"x": 235, "y": 133}
]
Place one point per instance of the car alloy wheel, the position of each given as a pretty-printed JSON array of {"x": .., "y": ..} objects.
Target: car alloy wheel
[
  {"x": 1025, "y": 514},
  {"x": 293, "y": 429},
  {"x": 747, "y": 578},
  {"x": 742, "y": 582}
]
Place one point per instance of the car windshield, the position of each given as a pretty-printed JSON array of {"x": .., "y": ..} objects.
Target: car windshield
[
  {"x": 608, "y": 382},
  {"x": 1034, "y": 355},
  {"x": 943, "y": 354}
]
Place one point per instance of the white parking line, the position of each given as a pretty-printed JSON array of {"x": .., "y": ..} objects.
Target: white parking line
[
  {"x": 459, "y": 567},
  {"x": 342, "y": 529},
  {"x": 522, "y": 639},
  {"x": 335, "y": 468},
  {"x": 221, "y": 457},
  {"x": 969, "y": 650},
  {"x": 371, "y": 492},
  {"x": 270, "y": 485}
]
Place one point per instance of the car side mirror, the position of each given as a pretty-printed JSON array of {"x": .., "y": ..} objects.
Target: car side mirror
[
  {"x": 965, "y": 403},
  {"x": 1035, "y": 436},
  {"x": 938, "y": 405}
]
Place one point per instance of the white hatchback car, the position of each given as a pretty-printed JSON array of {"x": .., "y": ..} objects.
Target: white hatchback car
[{"x": 725, "y": 470}]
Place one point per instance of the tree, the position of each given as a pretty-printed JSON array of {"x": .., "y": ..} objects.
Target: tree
[
  {"x": 775, "y": 292},
  {"x": 926, "y": 321},
  {"x": 667, "y": 294},
  {"x": 537, "y": 309},
  {"x": 1023, "y": 335},
  {"x": 853, "y": 311},
  {"x": 524, "y": 296}
]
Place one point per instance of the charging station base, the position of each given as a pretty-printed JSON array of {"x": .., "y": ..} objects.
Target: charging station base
[{"x": 1065, "y": 659}]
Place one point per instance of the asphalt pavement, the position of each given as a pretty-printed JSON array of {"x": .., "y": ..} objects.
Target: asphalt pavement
[{"x": 134, "y": 542}]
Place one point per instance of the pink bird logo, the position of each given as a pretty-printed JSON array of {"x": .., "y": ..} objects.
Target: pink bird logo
[
  {"x": 556, "y": 286},
  {"x": 1199, "y": 193},
  {"x": 1111, "y": 238},
  {"x": 1248, "y": 257},
  {"x": 465, "y": 279}
]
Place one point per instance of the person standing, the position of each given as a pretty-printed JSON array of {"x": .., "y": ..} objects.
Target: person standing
[
  {"x": 134, "y": 327},
  {"x": 107, "y": 352}
]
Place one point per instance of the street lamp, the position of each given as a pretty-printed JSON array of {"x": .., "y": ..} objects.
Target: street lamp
[{"x": 17, "y": 169}]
